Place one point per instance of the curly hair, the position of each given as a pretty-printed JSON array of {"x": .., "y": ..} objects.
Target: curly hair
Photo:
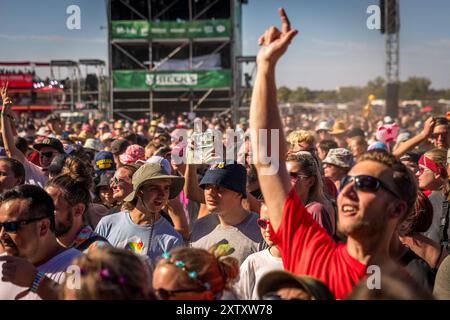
[{"x": 299, "y": 136}]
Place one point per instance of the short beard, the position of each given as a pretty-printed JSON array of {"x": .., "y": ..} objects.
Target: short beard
[
  {"x": 62, "y": 228},
  {"x": 364, "y": 229}
]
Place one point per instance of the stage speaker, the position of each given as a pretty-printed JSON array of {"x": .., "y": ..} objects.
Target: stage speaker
[
  {"x": 392, "y": 96},
  {"x": 392, "y": 24}
]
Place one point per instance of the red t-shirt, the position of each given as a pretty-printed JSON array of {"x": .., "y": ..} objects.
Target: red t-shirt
[{"x": 307, "y": 249}]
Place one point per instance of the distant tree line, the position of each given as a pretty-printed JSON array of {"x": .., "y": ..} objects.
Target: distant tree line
[{"x": 411, "y": 89}]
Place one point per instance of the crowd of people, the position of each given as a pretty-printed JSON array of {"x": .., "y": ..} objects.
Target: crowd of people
[{"x": 357, "y": 208}]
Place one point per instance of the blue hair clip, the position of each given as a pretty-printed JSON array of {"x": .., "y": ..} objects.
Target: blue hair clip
[
  {"x": 179, "y": 263},
  {"x": 192, "y": 275},
  {"x": 166, "y": 255},
  {"x": 207, "y": 285}
]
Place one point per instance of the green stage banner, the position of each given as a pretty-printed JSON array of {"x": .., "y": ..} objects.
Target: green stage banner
[
  {"x": 200, "y": 79},
  {"x": 137, "y": 29}
]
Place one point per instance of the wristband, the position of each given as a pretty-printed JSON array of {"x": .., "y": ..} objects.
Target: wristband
[{"x": 37, "y": 281}]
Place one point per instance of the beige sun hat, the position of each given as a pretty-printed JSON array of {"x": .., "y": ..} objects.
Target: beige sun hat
[{"x": 154, "y": 171}]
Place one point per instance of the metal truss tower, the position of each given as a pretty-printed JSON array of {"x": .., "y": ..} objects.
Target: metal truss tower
[{"x": 390, "y": 17}]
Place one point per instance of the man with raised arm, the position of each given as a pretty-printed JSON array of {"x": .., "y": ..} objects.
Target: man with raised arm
[
  {"x": 48, "y": 148},
  {"x": 378, "y": 192}
]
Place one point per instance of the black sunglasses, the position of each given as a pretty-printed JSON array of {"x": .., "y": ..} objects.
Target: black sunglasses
[
  {"x": 262, "y": 223},
  {"x": 46, "y": 154},
  {"x": 296, "y": 175},
  {"x": 437, "y": 135},
  {"x": 368, "y": 184},
  {"x": 276, "y": 296},
  {"x": 163, "y": 294},
  {"x": 13, "y": 226}
]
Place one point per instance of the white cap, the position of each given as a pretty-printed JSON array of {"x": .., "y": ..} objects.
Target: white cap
[
  {"x": 388, "y": 119},
  {"x": 323, "y": 125},
  {"x": 162, "y": 161}
]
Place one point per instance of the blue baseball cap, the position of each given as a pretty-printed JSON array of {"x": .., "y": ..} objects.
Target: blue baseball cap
[
  {"x": 104, "y": 161},
  {"x": 230, "y": 176}
]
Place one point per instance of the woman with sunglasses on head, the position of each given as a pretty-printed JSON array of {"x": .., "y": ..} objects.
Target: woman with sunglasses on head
[
  {"x": 195, "y": 274},
  {"x": 307, "y": 181},
  {"x": 258, "y": 264},
  {"x": 433, "y": 178}
]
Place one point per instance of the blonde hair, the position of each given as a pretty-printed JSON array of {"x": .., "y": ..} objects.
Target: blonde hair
[
  {"x": 111, "y": 274},
  {"x": 309, "y": 166},
  {"x": 211, "y": 268},
  {"x": 299, "y": 136}
]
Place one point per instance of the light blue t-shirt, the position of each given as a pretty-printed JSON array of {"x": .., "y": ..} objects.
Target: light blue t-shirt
[{"x": 122, "y": 232}]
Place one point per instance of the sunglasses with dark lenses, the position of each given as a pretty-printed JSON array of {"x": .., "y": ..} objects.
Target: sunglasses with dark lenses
[
  {"x": 296, "y": 175},
  {"x": 368, "y": 184},
  {"x": 276, "y": 296},
  {"x": 116, "y": 181},
  {"x": 46, "y": 154},
  {"x": 262, "y": 223},
  {"x": 421, "y": 170},
  {"x": 437, "y": 135},
  {"x": 163, "y": 294},
  {"x": 13, "y": 226}
]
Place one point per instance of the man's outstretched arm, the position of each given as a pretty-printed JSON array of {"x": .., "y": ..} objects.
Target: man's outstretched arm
[
  {"x": 264, "y": 115},
  {"x": 7, "y": 128}
]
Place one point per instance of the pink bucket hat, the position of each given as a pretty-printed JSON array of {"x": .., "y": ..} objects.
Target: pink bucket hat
[{"x": 133, "y": 153}]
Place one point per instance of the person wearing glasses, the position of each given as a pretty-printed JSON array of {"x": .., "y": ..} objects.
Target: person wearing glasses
[
  {"x": 33, "y": 260},
  {"x": 378, "y": 192},
  {"x": 194, "y": 274},
  {"x": 259, "y": 263},
  {"x": 432, "y": 131},
  {"x": 440, "y": 137},
  {"x": 433, "y": 178},
  {"x": 47, "y": 148},
  {"x": 307, "y": 181}
]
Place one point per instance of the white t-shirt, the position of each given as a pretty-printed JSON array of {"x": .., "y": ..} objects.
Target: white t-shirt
[
  {"x": 252, "y": 270},
  {"x": 34, "y": 174},
  {"x": 55, "y": 269}
]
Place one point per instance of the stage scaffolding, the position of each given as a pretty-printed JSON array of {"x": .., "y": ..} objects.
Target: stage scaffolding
[{"x": 174, "y": 56}]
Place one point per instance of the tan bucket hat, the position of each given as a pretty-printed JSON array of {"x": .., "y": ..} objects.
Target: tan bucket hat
[
  {"x": 154, "y": 171},
  {"x": 338, "y": 128}
]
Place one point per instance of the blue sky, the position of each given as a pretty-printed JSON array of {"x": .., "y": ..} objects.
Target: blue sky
[{"x": 334, "y": 47}]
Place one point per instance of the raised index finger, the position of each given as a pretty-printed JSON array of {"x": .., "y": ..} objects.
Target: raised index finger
[
  {"x": 4, "y": 89},
  {"x": 285, "y": 23}
]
